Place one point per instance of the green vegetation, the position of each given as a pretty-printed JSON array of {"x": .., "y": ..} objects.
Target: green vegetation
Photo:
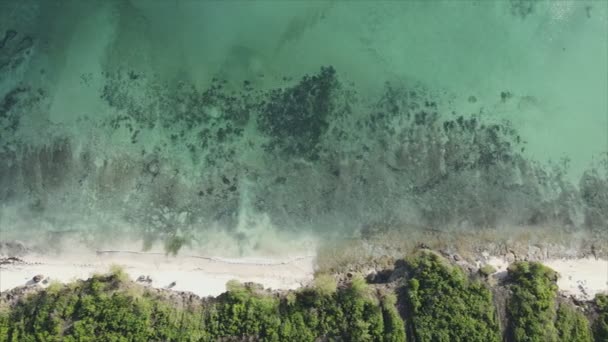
[
  {"x": 487, "y": 270},
  {"x": 531, "y": 308},
  {"x": 433, "y": 301},
  {"x": 572, "y": 325},
  {"x": 105, "y": 308},
  {"x": 325, "y": 284},
  {"x": 88, "y": 311},
  {"x": 445, "y": 306},
  {"x": 347, "y": 314},
  {"x": 601, "y": 323}
]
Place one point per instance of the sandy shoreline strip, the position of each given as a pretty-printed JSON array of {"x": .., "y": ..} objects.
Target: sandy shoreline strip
[
  {"x": 581, "y": 278},
  {"x": 207, "y": 276},
  {"x": 203, "y": 276}
]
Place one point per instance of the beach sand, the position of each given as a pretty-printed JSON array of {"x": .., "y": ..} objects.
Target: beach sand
[
  {"x": 203, "y": 276},
  {"x": 580, "y": 278}
]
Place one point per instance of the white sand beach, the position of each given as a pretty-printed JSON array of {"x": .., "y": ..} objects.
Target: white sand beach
[
  {"x": 580, "y": 278},
  {"x": 203, "y": 276},
  {"x": 207, "y": 276}
]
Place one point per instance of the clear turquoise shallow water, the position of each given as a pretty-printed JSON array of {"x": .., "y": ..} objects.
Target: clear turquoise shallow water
[{"x": 171, "y": 117}]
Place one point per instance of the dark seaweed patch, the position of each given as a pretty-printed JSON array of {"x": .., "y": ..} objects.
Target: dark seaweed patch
[
  {"x": 454, "y": 169},
  {"x": 8, "y": 36},
  {"x": 522, "y": 8},
  {"x": 296, "y": 118},
  {"x": 13, "y": 50}
]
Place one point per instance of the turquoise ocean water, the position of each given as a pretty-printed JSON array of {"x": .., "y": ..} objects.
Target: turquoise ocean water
[{"x": 171, "y": 118}]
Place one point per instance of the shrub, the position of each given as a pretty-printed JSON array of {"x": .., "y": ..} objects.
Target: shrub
[
  {"x": 531, "y": 309},
  {"x": 119, "y": 273},
  {"x": 359, "y": 285},
  {"x": 394, "y": 326},
  {"x": 487, "y": 270},
  {"x": 601, "y": 323},
  {"x": 325, "y": 284},
  {"x": 443, "y": 305},
  {"x": 572, "y": 325},
  {"x": 105, "y": 309}
]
